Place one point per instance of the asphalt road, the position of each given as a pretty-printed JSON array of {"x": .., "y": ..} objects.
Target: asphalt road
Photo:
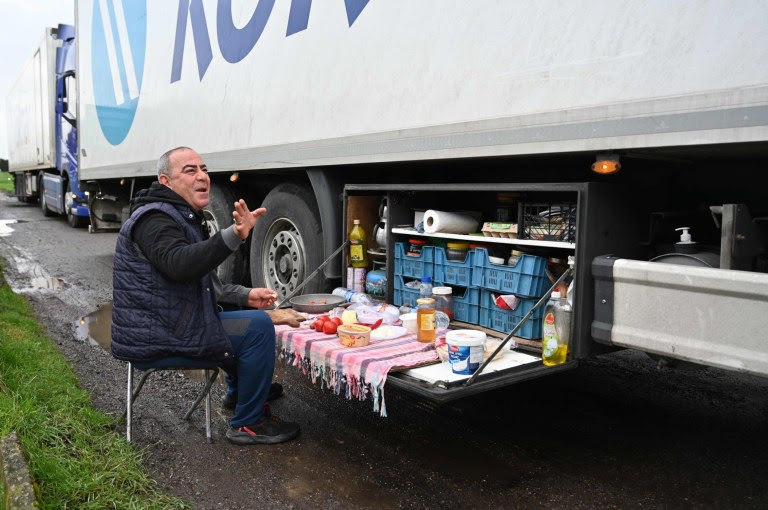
[{"x": 618, "y": 432}]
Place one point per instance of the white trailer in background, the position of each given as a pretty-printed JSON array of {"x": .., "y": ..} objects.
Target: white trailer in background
[
  {"x": 289, "y": 102},
  {"x": 42, "y": 138},
  {"x": 30, "y": 109}
]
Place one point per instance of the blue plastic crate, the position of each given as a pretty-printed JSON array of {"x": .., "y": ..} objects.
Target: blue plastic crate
[
  {"x": 493, "y": 317},
  {"x": 453, "y": 272},
  {"x": 527, "y": 279},
  {"x": 414, "y": 266},
  {"x": 466, "y": 304},
  {"x": 404, "y": 295}
]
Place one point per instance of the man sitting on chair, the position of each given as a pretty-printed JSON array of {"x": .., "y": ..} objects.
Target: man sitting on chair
[{"x": 166, "y": 292}]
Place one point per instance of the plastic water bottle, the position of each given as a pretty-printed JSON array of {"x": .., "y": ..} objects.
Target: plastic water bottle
[
  {"x": 352, "y": 296},
  {"x": 425, "y": 289}
]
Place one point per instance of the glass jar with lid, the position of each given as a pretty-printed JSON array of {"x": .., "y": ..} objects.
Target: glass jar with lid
[
  {"x": 443, "y": 297},
  {"x": 514, "y": 258},
  {"x": 456, "y": 251},
  {"x": 425, "y": 320}
]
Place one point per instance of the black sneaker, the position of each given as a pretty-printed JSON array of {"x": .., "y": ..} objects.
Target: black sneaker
[
  {"x": 270, "y": 430},
  {"x": 275, "y": 391}
]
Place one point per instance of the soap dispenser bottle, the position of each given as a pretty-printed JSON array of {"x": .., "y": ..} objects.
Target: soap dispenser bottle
[{"x": 686, "y": 244}]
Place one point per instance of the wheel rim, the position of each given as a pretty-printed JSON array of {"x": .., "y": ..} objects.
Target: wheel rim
[
  {"x": 283, "y": 257},
  {"x": 210, "y": 222},
  {"x": 68, "y": 201}
]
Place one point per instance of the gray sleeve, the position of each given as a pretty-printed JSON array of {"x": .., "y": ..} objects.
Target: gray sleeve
[
  {"x": 229, "y": 292},
  {"x": 230, "y": 238}
]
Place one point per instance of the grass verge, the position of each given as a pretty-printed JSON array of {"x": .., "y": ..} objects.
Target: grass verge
[
  {"x": 75, "y": 457},
  {"x": 6, "y": 182}
]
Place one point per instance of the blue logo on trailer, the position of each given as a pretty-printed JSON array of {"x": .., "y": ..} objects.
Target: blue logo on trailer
[
  {"x": 118, "y": 46},
  {"x": 235, "y": 43}
]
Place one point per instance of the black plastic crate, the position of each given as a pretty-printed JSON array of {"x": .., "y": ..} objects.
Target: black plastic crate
[{"x": 548, "y": 221}]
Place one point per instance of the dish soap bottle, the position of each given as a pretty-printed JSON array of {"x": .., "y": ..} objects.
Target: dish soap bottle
[
  {"x": 358, "y": 246},
  {"x": 554, "y": 346}
]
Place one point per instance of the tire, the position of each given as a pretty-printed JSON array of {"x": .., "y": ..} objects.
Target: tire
[
  {"x": 218, "y": 216},
  {"x": 43, "y": 202},
  {"x": 74, "y": 220},
  {"x": 287, "y": 242}
]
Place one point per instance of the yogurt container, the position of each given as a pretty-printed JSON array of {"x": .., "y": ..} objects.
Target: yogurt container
[{"x": 465, "y": 350}]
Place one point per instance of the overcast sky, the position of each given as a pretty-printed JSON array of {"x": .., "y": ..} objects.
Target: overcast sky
[{"x": 21, "y": 30}]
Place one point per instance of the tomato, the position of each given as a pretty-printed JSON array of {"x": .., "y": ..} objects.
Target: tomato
[
  {"x": 319, "y": 326},
  {"x": 337, "y": 321},
  {"x": 329, "y": 327},
  {"x": 323, "y": 318}
]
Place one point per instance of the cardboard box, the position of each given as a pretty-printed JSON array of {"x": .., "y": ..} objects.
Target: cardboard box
[{"x": 508, "y": 230}]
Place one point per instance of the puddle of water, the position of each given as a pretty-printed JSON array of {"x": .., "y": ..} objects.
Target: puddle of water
[
  {"x": 5, "y": 230},
  {"x": 46, "y": 283},
  {"x": 38, "y": 278},
  {"x": 96, "y": 329}
]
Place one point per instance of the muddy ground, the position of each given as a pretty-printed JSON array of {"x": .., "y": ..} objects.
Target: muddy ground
[{"x": 618, "y": 432}]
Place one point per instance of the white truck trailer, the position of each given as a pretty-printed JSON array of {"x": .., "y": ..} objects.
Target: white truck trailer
[
  {"x": 42, "y": 136},
  {"x": 321, "y": 110}
]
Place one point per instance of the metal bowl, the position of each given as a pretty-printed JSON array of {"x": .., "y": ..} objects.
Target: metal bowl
[{"x": 316, "y": 303}]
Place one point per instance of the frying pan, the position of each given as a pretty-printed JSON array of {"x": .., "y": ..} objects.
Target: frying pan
[{"x": 316, "y": 303}]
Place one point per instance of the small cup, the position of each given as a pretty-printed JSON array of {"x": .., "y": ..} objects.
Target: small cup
[{"x": 409, "y": 322}]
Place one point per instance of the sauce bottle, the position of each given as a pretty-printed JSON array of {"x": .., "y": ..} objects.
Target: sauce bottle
[
  {"x": 425, "y": 320},
  {"x": 358, "y": 245}
]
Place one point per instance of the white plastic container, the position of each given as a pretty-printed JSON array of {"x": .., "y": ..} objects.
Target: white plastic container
[
  {"x": 465, "y": 350},
  {"x": 409, "y": 322}
]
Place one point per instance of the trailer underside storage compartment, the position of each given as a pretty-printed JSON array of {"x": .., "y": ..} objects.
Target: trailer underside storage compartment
[{"x": 553, "y": 221}]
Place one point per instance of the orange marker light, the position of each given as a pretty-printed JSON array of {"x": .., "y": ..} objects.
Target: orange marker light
[{"x": 606, "y": 164}]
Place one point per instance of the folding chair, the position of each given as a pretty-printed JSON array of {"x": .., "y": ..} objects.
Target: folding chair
[{"x": 149, "y": 367}]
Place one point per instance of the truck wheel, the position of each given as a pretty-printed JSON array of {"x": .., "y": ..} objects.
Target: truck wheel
[
  {"x": 43, "y": 202},
  {"x": 74, "y": 220},
  {"x": 218, "y": 216},
  {"x": 287, "y": 242}
]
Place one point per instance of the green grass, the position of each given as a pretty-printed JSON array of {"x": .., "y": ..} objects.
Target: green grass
[
  {"x": 76, "y": 458},
  {"x": 6, "y": 181}
]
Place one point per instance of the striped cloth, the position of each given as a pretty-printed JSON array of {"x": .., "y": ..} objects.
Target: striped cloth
[{"x": 357, "y": 371}]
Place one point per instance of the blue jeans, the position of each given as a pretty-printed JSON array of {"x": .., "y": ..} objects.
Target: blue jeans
[{"x": 252, "y": 335}]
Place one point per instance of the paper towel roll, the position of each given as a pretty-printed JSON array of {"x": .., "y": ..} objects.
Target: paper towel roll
[{"x": 449, "y": 222}]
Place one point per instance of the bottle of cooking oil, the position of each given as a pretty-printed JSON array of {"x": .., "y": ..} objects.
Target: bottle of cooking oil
[
  {"x": 358, "y": 246},
  {"x": 555, "y": 332}
]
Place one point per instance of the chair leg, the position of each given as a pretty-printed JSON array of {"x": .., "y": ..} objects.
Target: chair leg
[
  {"x": 210, "y": 375},
  {"x": 131, "y": 397},
  {"x": 129, "y": 403},
  {"x": 143, "y": 379},
  {"x": 208, "y": 383},
  {"x": 208, "y": 411}
]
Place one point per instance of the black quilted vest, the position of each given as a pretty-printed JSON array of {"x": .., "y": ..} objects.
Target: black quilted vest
[{"x": 155, "y": 317}]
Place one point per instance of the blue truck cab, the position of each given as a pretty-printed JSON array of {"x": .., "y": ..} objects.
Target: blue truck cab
[{"x": 59, "y": 189}]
